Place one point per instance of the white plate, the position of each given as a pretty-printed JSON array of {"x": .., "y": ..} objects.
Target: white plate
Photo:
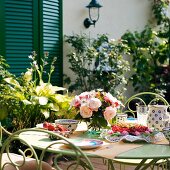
[
  {"x": 87, "y": 143},
  {"x": 40, "y": 126}
]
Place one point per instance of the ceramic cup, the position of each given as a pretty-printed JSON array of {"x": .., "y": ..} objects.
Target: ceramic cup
[
  {"x": 69, "y": 124},
  {"x": 121, "y": 118}
]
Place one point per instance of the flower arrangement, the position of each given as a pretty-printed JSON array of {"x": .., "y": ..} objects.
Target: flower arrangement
[{"x": 96, "y": 107}]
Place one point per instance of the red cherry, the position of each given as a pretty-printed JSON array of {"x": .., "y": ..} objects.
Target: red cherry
[
  {"x": 60, "y": 128},
  {"x": 51, "y": 127},
  {"x": 45, "y": 125}
]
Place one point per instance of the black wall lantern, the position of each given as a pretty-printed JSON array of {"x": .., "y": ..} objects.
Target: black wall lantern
[{"x": 93, "y": 7}]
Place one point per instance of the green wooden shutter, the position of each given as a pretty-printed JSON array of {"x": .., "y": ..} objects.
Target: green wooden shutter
[
  {"x": 2, "y": 29},
  {"x": 31, "y": 25},
  {"x": 52, "y": 36},
  {"x": 18, "y": 34}
]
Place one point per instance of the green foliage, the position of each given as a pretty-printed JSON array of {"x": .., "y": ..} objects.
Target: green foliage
[
  {"x": 150, "y": 53},
  {"x": 28, "y": 100},
  {"x": 98, "y": 63},
  {"x": 159, "y": 9},
  {"x": 3, "y": 68}
]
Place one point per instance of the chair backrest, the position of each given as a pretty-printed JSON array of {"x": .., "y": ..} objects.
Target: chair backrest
[
  {"x": 143, "y": 98},
  {"x": 2, "y": 129},
  {"x": 78, "y": 158}
]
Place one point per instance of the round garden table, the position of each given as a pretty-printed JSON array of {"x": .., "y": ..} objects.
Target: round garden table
[{"x": 110, "y": 151}]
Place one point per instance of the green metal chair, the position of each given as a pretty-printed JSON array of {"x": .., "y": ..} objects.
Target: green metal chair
[
  {"x": 12, "y": 161},
  {"x": 24, "y": 161},
  {"x": 144, "y": 98},
  {"x": 141, "y": 98}
]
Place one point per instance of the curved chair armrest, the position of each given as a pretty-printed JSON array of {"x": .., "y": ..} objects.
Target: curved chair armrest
[
  {"x": 6, "y": 131},
  {"x": 2, "y": 129},
  {"x": 80, "y": 159}
]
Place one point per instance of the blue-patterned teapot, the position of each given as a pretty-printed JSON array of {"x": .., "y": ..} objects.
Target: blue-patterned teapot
[{"x": 158, "y": 117}]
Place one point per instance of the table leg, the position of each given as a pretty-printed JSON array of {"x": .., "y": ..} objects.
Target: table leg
[
  {"x": 110, "y": 165},
  {"x": 168, "y": 164},
  {"x": 141, "y": 166}
]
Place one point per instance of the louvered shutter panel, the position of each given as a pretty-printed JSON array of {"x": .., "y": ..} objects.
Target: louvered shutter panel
[
  {"x": 18, "y": 34},
  {"x": 31, "y": 25},
  {"x": 52, "y": 36}
]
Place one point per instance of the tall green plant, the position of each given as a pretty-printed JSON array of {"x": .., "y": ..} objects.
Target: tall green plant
[
  {"x": 98, "y": 63},
  {"x": 29, "y": 100}
]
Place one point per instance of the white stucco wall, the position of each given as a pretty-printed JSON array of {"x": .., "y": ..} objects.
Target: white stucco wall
[{"x": 116, "y": 16}]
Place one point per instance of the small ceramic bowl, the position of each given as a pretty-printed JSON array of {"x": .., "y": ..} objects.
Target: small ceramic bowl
[
  {"x": 166, "y": 132},
  {"x": 69, "y": 124}
]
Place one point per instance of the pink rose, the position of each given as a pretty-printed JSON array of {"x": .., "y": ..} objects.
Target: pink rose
[
  {"x": 76, "y": 101},
  {"x": 85, "y": 111},
  {"x": 109, "y": 98},
  {"x": 112, "y": 100},
  {"x": 94, "y": 104},
  {"x": 84, "y": 95},
  {"x": 109, "y": 113}
]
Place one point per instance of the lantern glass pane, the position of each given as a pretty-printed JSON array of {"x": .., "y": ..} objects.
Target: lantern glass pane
[{"x": 94, "y": 15}]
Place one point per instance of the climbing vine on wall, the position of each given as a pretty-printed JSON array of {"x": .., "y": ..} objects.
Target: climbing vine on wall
[{"x": 150, "y": 52}]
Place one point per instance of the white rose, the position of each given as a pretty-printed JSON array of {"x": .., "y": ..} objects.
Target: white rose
[{"x": 94, "y": 104}]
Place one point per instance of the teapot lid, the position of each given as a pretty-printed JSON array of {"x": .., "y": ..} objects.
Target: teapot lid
[{"x": 158, "y": 106}]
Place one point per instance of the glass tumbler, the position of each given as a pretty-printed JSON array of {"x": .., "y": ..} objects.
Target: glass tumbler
[{"x": 142, "y": 114}]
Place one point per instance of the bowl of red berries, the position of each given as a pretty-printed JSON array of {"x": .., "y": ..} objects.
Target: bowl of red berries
[{"x": 57, "y": 129}]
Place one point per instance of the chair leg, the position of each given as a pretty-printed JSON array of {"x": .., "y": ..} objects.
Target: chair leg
[
  {"x": 162, "y": 166},
  {"x": 110, "y": 165}
]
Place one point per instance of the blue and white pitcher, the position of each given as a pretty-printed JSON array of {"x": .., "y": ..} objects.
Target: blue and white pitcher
[{"x": 158, "y": 117}]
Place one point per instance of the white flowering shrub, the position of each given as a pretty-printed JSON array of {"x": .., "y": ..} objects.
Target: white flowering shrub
[{"x": 98, "y": 63}]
